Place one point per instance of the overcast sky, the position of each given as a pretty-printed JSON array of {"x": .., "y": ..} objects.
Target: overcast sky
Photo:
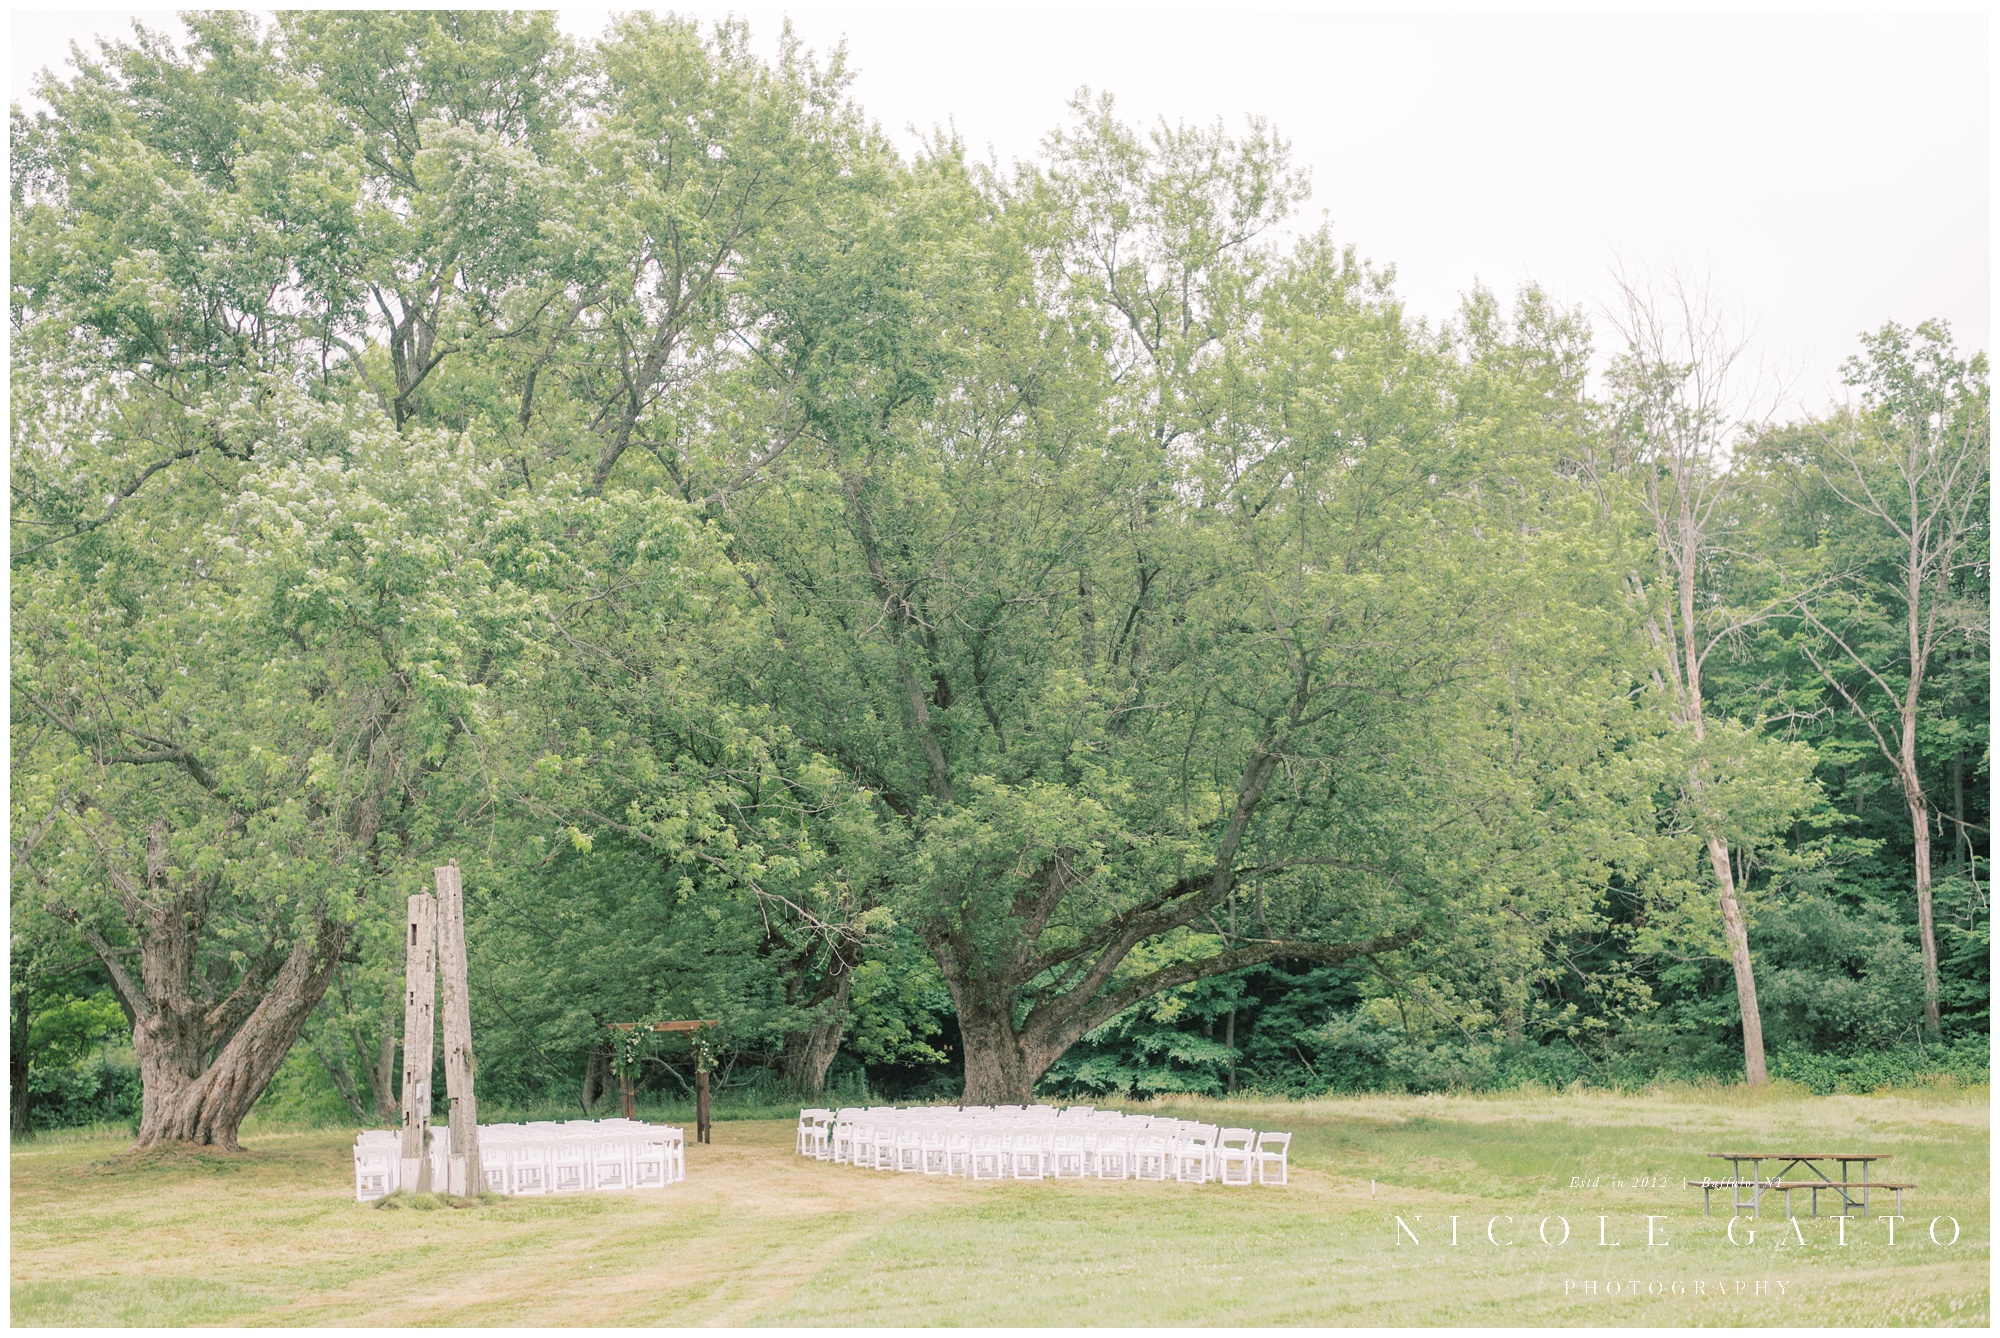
[{"x": 1825, "y": 172}]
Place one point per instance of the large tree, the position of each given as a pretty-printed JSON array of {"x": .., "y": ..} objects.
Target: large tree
[
  {"x": 250, "y": 625},
  {"x": 1132, "y": 564},
  {"x": 1907, "y": 484}
]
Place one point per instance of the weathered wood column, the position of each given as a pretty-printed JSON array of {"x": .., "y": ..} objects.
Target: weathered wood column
[
  {"x": 701, "y": 1122},
  {"x": 466, "y": 1175},
  {"x": 419, "y": 1021}
]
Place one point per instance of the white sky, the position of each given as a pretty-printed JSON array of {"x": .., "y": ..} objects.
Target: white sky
[{"x": 1825, "y": 172}]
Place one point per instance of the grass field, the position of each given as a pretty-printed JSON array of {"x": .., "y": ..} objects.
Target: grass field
[{"x": 756, "y": 1236}]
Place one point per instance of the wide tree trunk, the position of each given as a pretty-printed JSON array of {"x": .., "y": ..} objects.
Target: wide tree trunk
[
  {"x": 1000, "y": 1068},
  {"x": 1920, "y": 828},
  {"x": 203, "y": 1062},
  {"x": 810, "y": 1051},
  {"x": 1738, "y": 938},
  {"x": 187, "y": 1100}
]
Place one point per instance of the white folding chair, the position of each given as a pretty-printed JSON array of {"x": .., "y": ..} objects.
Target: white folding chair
[
  {"x": 569, "y": 1166},
  {"x": 374, "y": 1171},
  {"x": 988, "y": 1155},
  {"x": 528, "y": 1168},
  {"x": 652, "y": 1163},
  {"x": 1194, "y": 1156},
  {"x": 958, "y": 1151},
  {"x": 841, "y": 1143},
  {"x": 936, "y": 1153},
  {"x": 812, "y": 1130},
  {"x": 676, "y": 1138},
  {"x": 1114, "y": 1156},
  {"x": 821, "y": 1136},
  {"x": 1272, "y": 1150},
  {"x": 1028, "y": 1151},
  {"x": 910, "y": 1148},
  {"x": 861, "y": 1143},
  {"x": 495, "y": 1155},
  {"x": 1149, "y": 1157},
  {"x": 882, "y": 1152},
  {"x": 610, "y": 1164},
  {"x": 1235, "y": 1156},
  {"x": 1068, "y": 1154}
]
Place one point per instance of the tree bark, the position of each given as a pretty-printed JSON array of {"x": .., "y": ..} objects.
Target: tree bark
[
  {"x": 1920, "y": 828},
  {"x": 809, "y": 1053},
  {"x": 186, "y": 1101},
  {"x": 1738, "y": 939},
  {"x": 999, "y": 1068},
  {"x": 203, "y": 1062}
]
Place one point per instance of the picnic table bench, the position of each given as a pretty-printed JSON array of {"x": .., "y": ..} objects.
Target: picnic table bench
[{"x": 1785, "y": 1180}]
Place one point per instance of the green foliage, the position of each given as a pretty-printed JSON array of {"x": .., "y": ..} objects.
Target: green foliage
[
  {"x": 1968, "y": 1062},
  {"x": 98, "y": 1088},
  {"x": 1046, "y": 614}
]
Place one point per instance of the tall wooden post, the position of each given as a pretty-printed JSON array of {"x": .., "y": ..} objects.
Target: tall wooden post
[
  {"x": 466, "y": 1175},
  {"x": 419, "y": 1021},
  {"x": 701, "y": 1126}
]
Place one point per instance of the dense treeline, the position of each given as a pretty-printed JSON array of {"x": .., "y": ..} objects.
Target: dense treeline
[{"x": 963, "y": 629}]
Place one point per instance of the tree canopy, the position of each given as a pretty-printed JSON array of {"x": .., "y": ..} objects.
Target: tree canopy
[{"x": 965, "y": 629}]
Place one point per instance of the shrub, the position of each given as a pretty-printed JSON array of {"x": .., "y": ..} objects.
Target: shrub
[
  {"x": 1968, "y": 1061},
  {"x": 100, "y": 1089}
]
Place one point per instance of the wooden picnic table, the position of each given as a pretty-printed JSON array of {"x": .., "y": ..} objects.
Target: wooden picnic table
[{"x": 1786, "y": 1179}]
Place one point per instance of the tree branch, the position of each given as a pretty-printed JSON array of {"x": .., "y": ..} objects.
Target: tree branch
[{"x": 137, "y": 1005}]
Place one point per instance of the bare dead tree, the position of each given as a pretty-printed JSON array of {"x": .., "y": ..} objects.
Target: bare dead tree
[{"x": 1683, "y": 389}]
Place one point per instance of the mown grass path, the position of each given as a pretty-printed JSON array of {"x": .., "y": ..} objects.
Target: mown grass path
[{"x": 756, "y": 1236}]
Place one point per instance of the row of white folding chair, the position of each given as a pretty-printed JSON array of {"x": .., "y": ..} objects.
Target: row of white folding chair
[
  {"x": 543, "y": 1157},
  {"x": 546, "y": 1157},
  {"x": 826, "y": 1135},
  {"x": 568, "y": 1165},
  {"x": 1187, "y": 1150},
  {"x": 1025, "y": 1150}
]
